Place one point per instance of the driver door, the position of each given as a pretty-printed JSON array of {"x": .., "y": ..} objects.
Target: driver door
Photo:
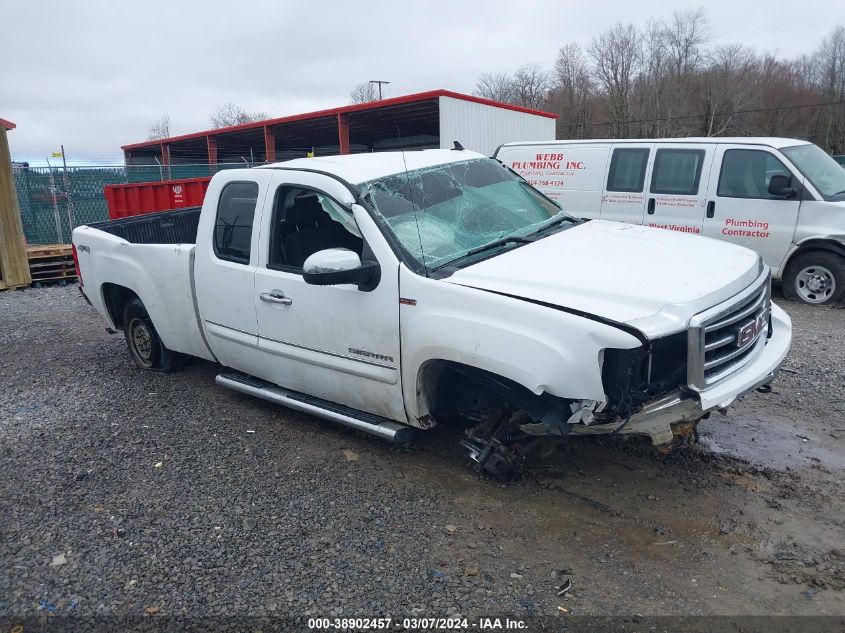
[
  {"x": 740, "y": 208},
  {"x": 337, "y": 343}
]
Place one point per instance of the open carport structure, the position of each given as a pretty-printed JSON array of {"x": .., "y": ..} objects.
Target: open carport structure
[{"x": 418, "y": 121}]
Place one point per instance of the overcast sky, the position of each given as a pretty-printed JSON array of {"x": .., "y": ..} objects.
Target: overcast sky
[{"x": 96, "y": 75}]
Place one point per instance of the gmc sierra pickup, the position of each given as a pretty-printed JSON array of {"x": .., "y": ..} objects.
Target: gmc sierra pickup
[{"x": 394, "y": 291}]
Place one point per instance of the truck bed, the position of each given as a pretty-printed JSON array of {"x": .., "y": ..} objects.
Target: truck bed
[
  {"x": 152, "y": 256},
  {"x": 166, "y": 227}
]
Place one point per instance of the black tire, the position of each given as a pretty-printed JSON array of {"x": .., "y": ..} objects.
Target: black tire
[
  {"x": 815, "y": 277},
  {"x": 145, "y": 346}
]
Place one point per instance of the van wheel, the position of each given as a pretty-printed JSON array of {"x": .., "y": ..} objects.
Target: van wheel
[
  {"x": 145, "y": 346},
  {"x": 817, "y": 277}
]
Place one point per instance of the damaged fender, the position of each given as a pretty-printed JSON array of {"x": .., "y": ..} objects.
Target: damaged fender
[{"x": 546, "y": 351}]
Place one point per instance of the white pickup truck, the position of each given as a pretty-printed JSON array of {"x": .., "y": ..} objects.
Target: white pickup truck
[{"x": 394, "y": 291}]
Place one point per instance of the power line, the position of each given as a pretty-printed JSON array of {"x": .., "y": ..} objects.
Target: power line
[{"x": 705, "y": 114}]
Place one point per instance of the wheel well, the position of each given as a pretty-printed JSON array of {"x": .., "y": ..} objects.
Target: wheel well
[
  {"x": 115, "y": 298},
  {"x": 442, "y": 383},
  {"x": 815, "y": 245}
]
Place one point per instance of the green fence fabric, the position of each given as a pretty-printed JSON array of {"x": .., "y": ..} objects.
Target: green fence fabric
[{"x": 53, "y": 201}]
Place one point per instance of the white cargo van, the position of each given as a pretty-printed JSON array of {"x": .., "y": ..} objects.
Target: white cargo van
[{"x": 781, "y": 197}]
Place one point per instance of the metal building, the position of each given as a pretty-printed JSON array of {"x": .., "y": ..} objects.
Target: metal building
[{"x": 419, "y": 121}]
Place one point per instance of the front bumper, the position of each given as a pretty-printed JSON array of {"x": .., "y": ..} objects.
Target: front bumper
[{"x": 656, "y": 418}]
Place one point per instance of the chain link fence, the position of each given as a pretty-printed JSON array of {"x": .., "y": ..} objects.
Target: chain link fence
[{"x": 53, "y": 200}]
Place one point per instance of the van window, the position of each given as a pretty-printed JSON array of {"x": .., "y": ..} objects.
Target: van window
[
  {"x": 819, "y": 168},
  {"x": 233, "y": 226},
  {"x": 677, "y": 171},
  {"x": 627, "y": 169},
  {"x": 746, "y": 174}
]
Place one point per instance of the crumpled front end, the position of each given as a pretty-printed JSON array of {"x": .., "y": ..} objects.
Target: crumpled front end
[{"x": 728, "y": 351}]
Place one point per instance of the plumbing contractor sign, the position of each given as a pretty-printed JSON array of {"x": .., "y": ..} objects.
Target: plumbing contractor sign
[{"x": 575, "y": 169}]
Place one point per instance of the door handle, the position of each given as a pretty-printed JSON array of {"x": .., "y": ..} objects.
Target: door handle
[
  {"x": 277, "y": 296},
  {"x": 711, "y": 208},
  {"x": 651, "y": 206}
]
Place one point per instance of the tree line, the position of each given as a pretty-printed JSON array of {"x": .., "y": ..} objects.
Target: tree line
[{"x": 666, "y": 79}]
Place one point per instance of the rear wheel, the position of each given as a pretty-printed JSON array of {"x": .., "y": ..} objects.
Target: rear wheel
[
  {"x": 817, "y": 277},
  {"x": 145, "y": 346}
]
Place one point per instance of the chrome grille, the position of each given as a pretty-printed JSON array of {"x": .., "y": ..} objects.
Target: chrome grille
[{"x": 724, "y": 338}]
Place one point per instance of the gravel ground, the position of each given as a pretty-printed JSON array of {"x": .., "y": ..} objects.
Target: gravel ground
[{"x": 128, "y": 492}]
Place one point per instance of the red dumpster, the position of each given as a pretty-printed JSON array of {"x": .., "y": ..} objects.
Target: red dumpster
[{"x": 138, "y": 198}]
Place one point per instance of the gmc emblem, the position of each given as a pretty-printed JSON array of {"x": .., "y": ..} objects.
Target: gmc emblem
[{"x": 749, "y": 331}]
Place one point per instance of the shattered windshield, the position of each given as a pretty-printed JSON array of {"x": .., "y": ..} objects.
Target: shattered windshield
[{"x": 440, "y": 213}]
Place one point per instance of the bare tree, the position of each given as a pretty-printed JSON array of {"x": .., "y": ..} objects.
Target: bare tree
[
  {"x": 363, "y": 93},
  {"x": 831, "y": 74},
  {"x": 686, "y": 36},
  {"x": 617, "y": 57},
  {"x": 652, "y": 98},
  {"x": 230, "y": 114},
  {"x": 725, "y": 87},
  {"x": 527, "y": 87},
  {"x": 160, "y": 129},
  {"x": 495, "y": 86},
  {"x": 530, "y": 86},
  {"x": 572, "y": 91}
]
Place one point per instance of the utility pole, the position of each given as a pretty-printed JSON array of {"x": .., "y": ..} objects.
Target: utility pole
[{"x": 379, "y": 82}]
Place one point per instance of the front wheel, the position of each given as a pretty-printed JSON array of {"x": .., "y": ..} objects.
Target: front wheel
[
  {"x": 817, "y": 277},
  {"x": 145, "y": 346}
]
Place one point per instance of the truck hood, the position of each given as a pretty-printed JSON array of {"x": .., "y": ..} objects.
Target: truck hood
[{"x": 652, "y": 279}]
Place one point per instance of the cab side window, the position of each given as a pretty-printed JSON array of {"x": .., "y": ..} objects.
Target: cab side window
[
  {"x": 306, "y": 221},
  {"x": 677, "y": 171},
  {"x": 233, "y": 225},
  {"x": 746, "y": 174},
  {"x": 627, "y": 169}
]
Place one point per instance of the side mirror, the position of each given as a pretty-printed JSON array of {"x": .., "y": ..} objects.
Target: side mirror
[
  {"x": 335, "y": 266},
  {"x": 780, "y": 185}
]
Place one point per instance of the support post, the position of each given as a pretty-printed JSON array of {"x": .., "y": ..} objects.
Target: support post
[
  {"x": 71, "y": 214},
  {"x": 269, "y": 145},
  {"x": 14, "y": 266},
  {"x": 212, "y": 153},
  {"x": 165, "y": 159},
  {"x": 343, "y": 132}
]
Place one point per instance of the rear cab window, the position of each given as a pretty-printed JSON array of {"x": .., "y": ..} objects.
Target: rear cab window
[{"x": 233, "y": 223}]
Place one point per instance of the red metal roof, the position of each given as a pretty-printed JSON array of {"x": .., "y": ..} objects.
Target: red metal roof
[
  {"x": 358, "y": 107},
  {"x": 7, "y": 124}
]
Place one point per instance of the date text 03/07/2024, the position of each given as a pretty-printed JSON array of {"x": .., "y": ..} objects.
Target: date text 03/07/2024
[{"x": 416, "y": 624}]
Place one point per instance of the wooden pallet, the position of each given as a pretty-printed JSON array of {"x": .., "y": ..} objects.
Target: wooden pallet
[
  {"x": 48, "y": 250},
  {"x": 51, "y": 263}
]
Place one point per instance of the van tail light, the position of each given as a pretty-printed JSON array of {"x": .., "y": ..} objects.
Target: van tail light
[{"x": 76, "y": 264}]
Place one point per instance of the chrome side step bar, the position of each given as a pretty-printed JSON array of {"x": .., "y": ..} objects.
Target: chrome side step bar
[{"x": 389, "y": 430}]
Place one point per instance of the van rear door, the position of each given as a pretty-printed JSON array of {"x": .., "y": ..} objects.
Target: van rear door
[
  {"x": 677, "y": 190},
  {"x": 740, "y": 208},
  {"x": 623, "y": 198}
]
